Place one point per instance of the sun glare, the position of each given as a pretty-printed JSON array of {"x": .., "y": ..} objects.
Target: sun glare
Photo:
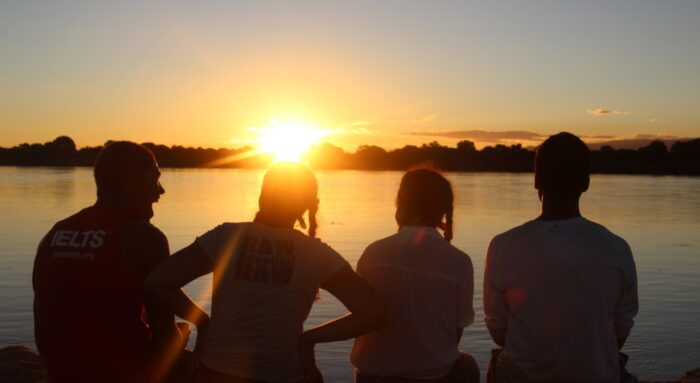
[{"x": 288, "y": 140}]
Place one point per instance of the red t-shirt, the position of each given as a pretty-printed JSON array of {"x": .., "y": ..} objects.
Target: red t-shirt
[{"x": 88, "y": 308}]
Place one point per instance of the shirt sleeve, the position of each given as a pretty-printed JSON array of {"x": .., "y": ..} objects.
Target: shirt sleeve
[
  {"x": 219, "y": 240},
  {"x": 465, "y": 299},
  {"x": 627, "y": 306},
  {"x": 329, "y": 261},
  {"x": 495, "y": 304}
]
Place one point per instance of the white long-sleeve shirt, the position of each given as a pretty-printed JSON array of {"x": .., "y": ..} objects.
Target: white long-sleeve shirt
[
  {"x": 564, "y": 291},
  {"x": 428, "y": 287}
]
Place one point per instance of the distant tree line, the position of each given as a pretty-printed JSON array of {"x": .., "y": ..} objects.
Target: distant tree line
[{"x": 682, "y": 158}]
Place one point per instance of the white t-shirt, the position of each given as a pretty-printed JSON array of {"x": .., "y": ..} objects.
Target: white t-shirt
[
  {"x": 265, "y": 281},
  {"x": 565, "y": 290},
  {"x": 427, "y": 286}
]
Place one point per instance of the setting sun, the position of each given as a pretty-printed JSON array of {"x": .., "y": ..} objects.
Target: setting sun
[{"x": 288, "y": 140}]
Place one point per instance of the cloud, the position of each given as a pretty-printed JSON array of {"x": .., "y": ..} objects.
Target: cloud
[
  {"x": 426, "y": 119},
  {"x": 652, "y": 120},
  {"x": 483, "y": 135},
  {"x": 355, "y": 124},
  {"x": 355, "y": 127},
  {"x": 599, "y": 112}
]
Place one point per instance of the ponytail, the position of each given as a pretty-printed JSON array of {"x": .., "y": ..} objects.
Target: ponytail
[
  {"x": 448, "y": 224},
  {"x": 313, "y": 224}
]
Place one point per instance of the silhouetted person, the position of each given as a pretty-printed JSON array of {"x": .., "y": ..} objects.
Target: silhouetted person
[
  {"x": 560, "y": 292},
  {"x": 266, "y": 278},
  {"x": 428, "y": 287},
  {"x": 91, "y": 321}
]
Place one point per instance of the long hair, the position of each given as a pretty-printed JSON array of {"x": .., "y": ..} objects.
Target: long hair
[
  {"x": 425, "y": 196},
  {"x": 291, "y": 188}
]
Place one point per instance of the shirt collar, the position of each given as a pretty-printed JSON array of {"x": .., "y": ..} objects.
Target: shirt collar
[{"x": 423, "y": 230}]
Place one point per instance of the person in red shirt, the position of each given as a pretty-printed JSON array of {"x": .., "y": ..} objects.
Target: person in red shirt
[{"x": 92, "y": 321}]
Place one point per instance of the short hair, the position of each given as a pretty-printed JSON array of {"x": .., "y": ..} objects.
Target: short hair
[
  {"x": 562, "y": 165},
  {"x": 291, "y": 187},
  {"x": 116, "y": 162},
  {"x": 426, "y": 195}
]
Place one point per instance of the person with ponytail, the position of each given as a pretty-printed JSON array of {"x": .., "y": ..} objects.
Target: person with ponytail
[
  {"x": 266, "y": 276},
  {"x": 428, "y": 287}
]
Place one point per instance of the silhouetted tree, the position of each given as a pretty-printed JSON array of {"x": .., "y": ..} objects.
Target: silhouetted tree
[{"x": 655, "y": 158}]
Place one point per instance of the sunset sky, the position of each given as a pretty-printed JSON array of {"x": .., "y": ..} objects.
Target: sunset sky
[{"x": 387, "y": 73}]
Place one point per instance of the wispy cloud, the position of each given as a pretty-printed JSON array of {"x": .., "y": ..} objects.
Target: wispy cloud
[
  {"x": 426, "y": 119},
  {"x": 354, "y": 127},
  {"x": 354, "y": 124},
  {"x": 599, "y": 112}
]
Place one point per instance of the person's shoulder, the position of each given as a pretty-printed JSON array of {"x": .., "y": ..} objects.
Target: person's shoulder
[
  {"x": 141, "y": 230},
  {"x": 457, "y": 252},
  {"x": 507, "y": 236},
  {"x": 71, "y": 218},
  {"x": 384, "y": 242},
  {"x": 459, "y": 259},
  {"x": 617, "y": 242},
  {"x": 380, "y": 246},
  {"x": 317, "y": 245},
  {"x": 320, "y": 253}
]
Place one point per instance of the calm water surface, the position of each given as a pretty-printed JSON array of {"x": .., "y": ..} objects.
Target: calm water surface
[{"x": 657, "y": 215}]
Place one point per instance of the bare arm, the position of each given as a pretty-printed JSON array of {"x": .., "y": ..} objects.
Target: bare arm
[
  {"x": 164, "y": 284},
  {"x": 367, "y": 312}
]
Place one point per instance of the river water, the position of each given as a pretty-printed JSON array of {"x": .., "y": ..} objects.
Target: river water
[{"x": 658, "y": 216}]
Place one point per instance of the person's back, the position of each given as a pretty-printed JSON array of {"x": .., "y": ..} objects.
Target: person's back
[
  {"x": 263, "y": 295},
  {"x": 560, "y": 291},
  {"x": 427, "y": 285},
  {"x": 88, "y": 306},
  {"x": 565, "y": 283}
]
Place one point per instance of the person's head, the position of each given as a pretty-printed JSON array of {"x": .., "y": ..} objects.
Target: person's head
[
  {"x": 424, "y": 198},
  {"x": 288, "y": 191},
  {"x": 562, "y": 167},
  {"x": 127, "y": 175}
]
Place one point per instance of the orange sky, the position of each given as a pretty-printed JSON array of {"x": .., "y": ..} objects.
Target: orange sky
[{"x": 368, "y": 72}]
